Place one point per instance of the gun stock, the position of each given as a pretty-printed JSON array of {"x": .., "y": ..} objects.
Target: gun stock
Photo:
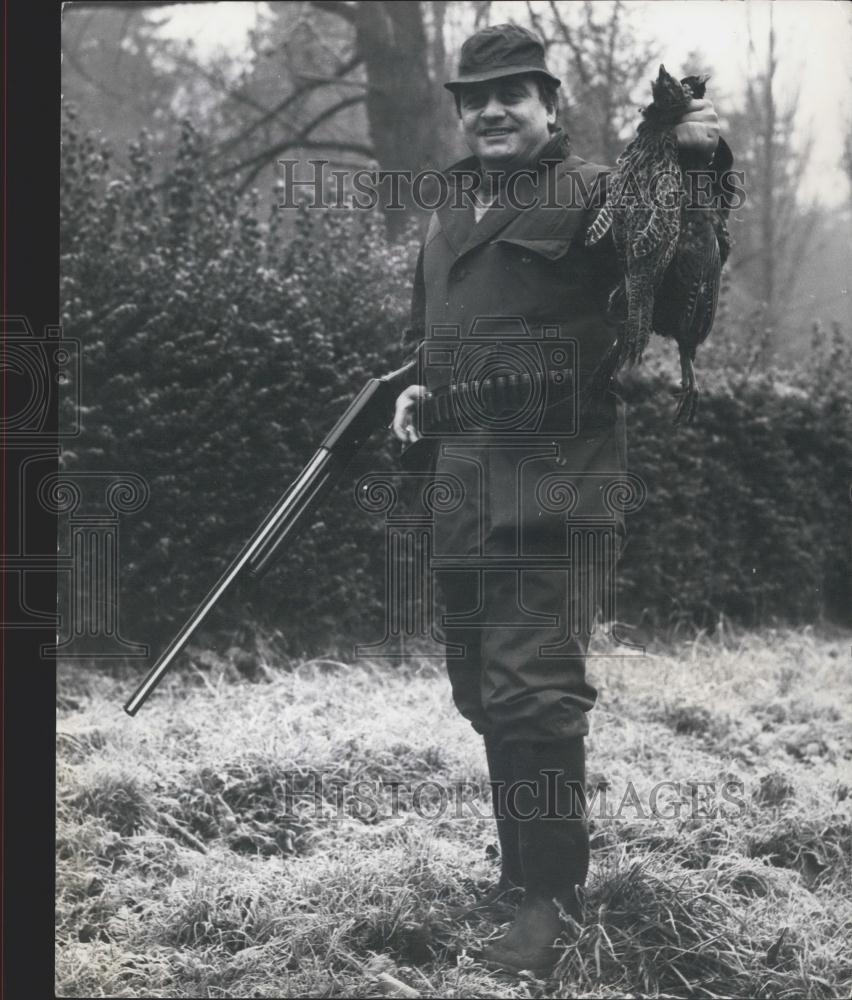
[{"x": 371, "y": 409}]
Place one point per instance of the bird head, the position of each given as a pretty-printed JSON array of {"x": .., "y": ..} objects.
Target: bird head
[
  {"x": 697, "y": 86},
  {"x": 671, "y": 99}
]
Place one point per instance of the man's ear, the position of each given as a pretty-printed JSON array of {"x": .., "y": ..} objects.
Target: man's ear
[{"x": 552, "y": 111}]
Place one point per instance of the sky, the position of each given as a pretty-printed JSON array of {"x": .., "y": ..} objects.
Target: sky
[{"x": 814, "y": 47}]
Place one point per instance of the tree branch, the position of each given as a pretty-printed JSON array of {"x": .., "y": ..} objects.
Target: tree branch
[
  {"x": 535, "y": 21},
  {"x": 341, "y": 71},
  {"x": 81, "y": 34},
  {"x": 120, "y": 99},
  {"x": 318, "y": 81},
  {"x": 576, "y": 51},
  {"x": 301, "y": 140},
  {"x": 330, "y": 144},
  {"x": 182, "y": 59},
  {"x": 347, "y": 11}
]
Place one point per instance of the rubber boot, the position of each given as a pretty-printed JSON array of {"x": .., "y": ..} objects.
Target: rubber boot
[
  {"x": 554, "y": 844},
  {"x": 501, "y": 772},
  {"x": 497, "y": 902}
]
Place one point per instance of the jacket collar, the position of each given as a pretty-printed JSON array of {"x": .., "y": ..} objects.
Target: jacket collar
[{"x": 464, "y": 177}]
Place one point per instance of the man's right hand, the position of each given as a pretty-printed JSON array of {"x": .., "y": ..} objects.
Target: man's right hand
[{"x": 403, "y": 418}]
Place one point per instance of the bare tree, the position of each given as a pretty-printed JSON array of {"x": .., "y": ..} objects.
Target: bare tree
[
  {"x": 351, "y": 79},
  {"x": 774, "y": 229},
  {"x": 441, "y": 69},
  {"x": 595, "y": 48},
  {"x": 110, "y": 73}
]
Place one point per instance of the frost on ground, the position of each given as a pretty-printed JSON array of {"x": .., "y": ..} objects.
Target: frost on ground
[{"x": 307, "y": 832}]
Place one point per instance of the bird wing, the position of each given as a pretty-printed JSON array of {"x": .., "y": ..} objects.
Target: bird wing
[
  {"x": 686, "y": 302},
  {"x": 663, "y": 224},
  {"x": 657, "y": 229}
]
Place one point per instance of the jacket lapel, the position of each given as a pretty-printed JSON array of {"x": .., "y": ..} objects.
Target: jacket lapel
[
  {"x": 456, "y": 213},
  {"x": 499, "y": 216},
  {"x": 457, "y": 217}
]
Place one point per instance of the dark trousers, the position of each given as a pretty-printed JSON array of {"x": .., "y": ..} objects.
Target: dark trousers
[
  {"x": 518, "y": 639},
  {"x": 524, "y": 555}
]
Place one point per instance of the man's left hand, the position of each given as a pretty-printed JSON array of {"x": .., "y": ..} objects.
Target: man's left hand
[{"x": 698, "y": 130}]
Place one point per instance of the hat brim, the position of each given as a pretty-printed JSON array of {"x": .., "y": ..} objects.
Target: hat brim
[{"x": 495, "y": 74}]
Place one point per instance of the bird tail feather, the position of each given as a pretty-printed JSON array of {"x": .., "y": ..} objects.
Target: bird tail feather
[{"x": 637, "y": 332}]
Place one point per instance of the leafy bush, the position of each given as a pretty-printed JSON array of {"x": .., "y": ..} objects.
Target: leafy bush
[
  {"x": 748, "y": 509},
  {"x": 217, "y": 352},
  {"x": 218, "y": 349}
]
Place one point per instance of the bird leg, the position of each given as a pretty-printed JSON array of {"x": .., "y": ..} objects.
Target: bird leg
[{"x": 689, "y": 391}]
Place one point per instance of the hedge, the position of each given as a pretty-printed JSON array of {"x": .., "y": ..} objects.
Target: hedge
[{"x": 220, "y": 341}]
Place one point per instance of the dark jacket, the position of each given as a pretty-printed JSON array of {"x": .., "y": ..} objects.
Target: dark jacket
[
  {"x": 522, "y": 275},
  {"x": 519, "y": 261}
]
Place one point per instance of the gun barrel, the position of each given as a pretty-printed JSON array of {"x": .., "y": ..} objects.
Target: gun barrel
[
  {"x": 342, "y": 443},
  {"x": 284, "y": 516},
  {"x": 303, "y": 500},
  {"x": 363, "y": 416}
]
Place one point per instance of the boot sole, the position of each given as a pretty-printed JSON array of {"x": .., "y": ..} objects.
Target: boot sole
[
  {"x": 507, "y": 960},
  {"x": 502, "y": 906},
  {"x": 495, "y": 965}
]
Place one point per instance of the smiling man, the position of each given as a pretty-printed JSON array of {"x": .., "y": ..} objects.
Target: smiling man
[
  {"x": 506, "y": 121},
  {"x": 512, "y": 310}
]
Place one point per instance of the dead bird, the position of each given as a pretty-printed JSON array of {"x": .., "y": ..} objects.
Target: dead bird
[
  {"x": 669, "y": 251},
  {"x": 686, "y": 300}
]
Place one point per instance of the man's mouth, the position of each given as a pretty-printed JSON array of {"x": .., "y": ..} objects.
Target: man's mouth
[{"x": 490, "y": 132}]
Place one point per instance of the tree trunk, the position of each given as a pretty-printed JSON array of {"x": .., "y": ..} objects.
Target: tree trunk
[{"x": 401, "y": 106}]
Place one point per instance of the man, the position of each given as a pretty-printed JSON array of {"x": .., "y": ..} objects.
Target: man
[{"x": 504, "y": 277}]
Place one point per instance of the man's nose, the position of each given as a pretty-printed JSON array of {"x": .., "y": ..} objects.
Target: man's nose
[{"x": 494, "y": 108}]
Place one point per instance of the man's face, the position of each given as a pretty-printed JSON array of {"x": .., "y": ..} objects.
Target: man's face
[{"x": 505, "y": 122}]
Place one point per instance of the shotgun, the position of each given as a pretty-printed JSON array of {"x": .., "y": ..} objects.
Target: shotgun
[{"x": 369, "y": 411}]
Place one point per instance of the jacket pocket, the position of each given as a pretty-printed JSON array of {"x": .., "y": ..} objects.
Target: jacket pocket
[{"x": 548, "y": 249}]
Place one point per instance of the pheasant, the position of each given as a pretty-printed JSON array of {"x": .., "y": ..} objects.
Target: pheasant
[
  {"x": 651, "y": 224},
  {"x": 687, "y": 297}
]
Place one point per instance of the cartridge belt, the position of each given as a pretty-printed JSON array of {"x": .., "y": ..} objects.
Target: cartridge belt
[{"x": 463, "y": 403}]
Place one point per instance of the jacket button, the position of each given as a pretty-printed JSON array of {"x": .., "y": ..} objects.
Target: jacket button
[{"x": 526, "y": 259}]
